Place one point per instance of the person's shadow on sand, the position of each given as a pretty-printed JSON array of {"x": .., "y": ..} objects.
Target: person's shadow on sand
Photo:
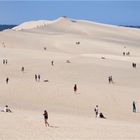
[{"x": 52, "y": 126}]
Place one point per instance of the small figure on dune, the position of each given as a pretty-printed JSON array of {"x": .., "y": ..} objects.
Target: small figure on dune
[
  {"x": 123, "y": 53},
  {"x": 68, "y": 61},
  {"x": 46, "y": 118},
  {"x": 134, "y": 65},
  {"x": 7, "y": 80},
  {"x": 52, "y": 63},
  {"x": 96, "y": 110},
  {"x": 39, "y": 77},
  {"x": 6, "y": 61},
  {"x": 35, "y": 77},
  {"x": 75, "y": 88},
  {"x": 77, "y": 43},
  {"x": 128, "y": 53},
  {"x": 134, "y": 106},
  {"x": 45, "y": 48},
  {"x": 6, "y": 109},
  {"x": 3, "y": 61},
  {"x": 22, "y": 69},
  {"x": 101, "y": 115},
  {"x": 110, "y": 79}
]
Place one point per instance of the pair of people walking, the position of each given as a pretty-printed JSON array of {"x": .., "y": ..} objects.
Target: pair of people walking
[
  {"x": 5, "y": 61},
  {"x": 98, "y": 114},
  {"x": 37, "y": 77}
]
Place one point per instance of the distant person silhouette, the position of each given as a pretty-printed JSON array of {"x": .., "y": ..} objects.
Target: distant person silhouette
[
  {"x": 75, "y": 88},
  {"x": 3, "y": 61},
  {"x": 52, "y": 63},
  {"x": 96, "y": 110},
  {"x": 7, "y": 80},
  {"x": 46, "y": 118},
  {"x": 35, "y": 77},
  {"x": 134, "y": 106},
  {"x": 22, "y": 69},
  {"x": 39, "y": 77}
]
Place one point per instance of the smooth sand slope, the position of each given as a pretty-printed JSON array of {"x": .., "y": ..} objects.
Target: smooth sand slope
[{"x": 71, "y": 115}]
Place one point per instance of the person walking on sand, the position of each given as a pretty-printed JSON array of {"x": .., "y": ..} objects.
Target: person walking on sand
[
  {"x": 96, "y": 110},
  {"x": 35, "y": 77},
  {"x": 3, "y": 61},
  {"x": 75, "y": 88},
  {"x": 46, "y": 118},
  {"x": 22, "y": 69},
  {"x": 6, "y": 61},
  {"x": 134, "y": 106},
  {"x": 38, "y": 77},
  {"x": 7, "y": 80},
  {"x": 52, "y": 63}
]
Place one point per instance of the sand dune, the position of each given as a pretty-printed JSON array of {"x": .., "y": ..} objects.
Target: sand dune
[{"x": 71, "y": 115}]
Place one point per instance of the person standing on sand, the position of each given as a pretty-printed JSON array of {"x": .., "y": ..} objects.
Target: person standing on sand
[
  {"x": 75, "y": 88},
  {"x": 96, "y": 110},
  {"x": 46, "y": 118},
  {"x": 3, "y": 61},
  {"x": 38, "y": 77},
  {"x": 134, "y": 106},
  {"x": 22, "y": 69},
  {"x": 7, "y": 80},
  {"x": 52, "y": 63},
  {"x": 35, "y": 77}
]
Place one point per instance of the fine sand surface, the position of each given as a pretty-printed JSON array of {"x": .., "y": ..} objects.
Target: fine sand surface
[{"x": 71, "y": 115}]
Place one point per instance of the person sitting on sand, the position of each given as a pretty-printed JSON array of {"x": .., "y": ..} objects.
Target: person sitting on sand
[
  {"x": 101, "y": 115},
  {"x": 46, "y": 118},
  {"x": 6, "y": 109}
]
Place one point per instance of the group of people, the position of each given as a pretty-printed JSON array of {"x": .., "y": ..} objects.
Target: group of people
[
  {"x": 77, "y": 42},
  {"x": 126, "y": 53},
  {"x": 110, "y": 79},
  {"x": 6, "y": 109},
  {"x": 5, "y": 61},
  {"x": 98, "y": 114},
  {"x": 37, "y": 77}
]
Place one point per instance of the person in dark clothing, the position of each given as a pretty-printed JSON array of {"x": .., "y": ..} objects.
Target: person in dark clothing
[
  {"x": 101, "y": 115},
  {"x": 46, "y": 118},
  {"x": 38, "y": 77},
  {"x": 3, "y": 61},
  {"x": 134, "y": 106},
  {"x": 7, "y": 80},
  {"x": 22, "y": 69},
  {"x": 6, "y": 61},
  {"x": 35, "y": 77},
  {"x": 75, "y": 88},
  {"x": 96, "y": 109},
  {"x": 52, "y": 63}
]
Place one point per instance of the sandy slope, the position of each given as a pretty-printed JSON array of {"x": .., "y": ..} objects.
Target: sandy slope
[{"x": 72, "y": 116}]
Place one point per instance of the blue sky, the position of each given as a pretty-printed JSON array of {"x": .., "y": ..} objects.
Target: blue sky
[{"x": 111, "y": 12}]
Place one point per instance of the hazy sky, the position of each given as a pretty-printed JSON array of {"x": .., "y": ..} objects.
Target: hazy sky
[{"x": 112, "y": 12}]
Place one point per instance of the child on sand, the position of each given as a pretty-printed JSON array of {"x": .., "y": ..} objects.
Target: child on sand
[{"x": 46, "y": 118}]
